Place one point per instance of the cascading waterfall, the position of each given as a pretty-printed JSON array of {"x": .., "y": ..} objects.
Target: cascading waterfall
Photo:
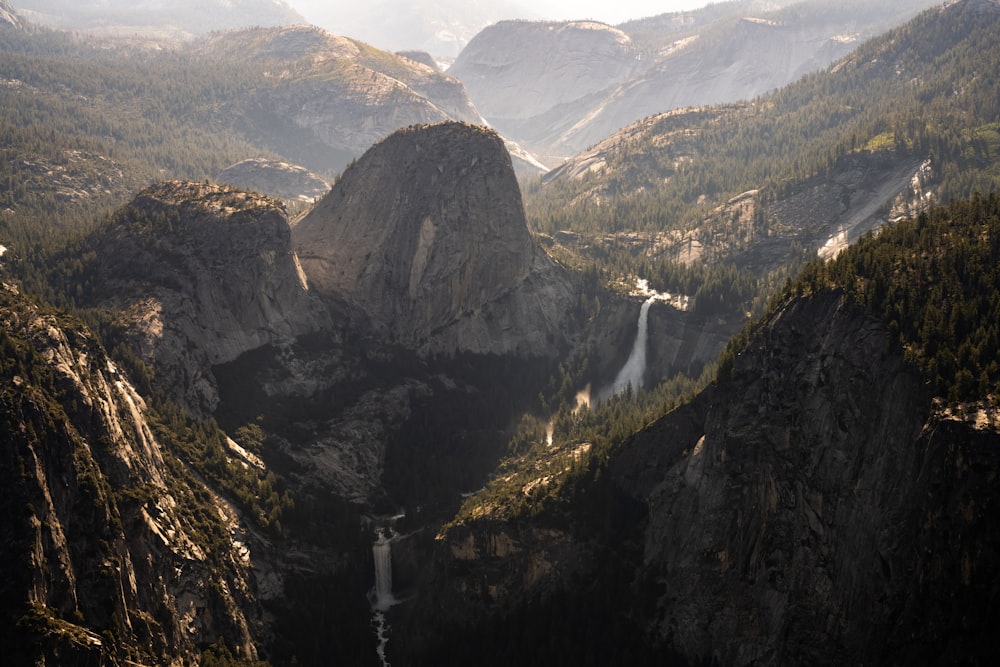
[
  {"x": 382, "y": 552},
  {"x": 635, "y": 367},
  {"x": 382, "y": 597}
]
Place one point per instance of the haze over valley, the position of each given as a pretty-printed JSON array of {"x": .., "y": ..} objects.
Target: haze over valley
[{"x": 499, "y": 336}]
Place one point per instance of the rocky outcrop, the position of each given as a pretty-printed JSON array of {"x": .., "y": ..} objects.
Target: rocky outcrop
[
  {"x": 104, "y": 557},
  {"x": 277, "y": 179},
  {"x": 203, "y": 273},
  {"x": 426, "y": 235}
]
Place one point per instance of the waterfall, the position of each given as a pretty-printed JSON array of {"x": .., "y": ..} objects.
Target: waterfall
[
  {"x": 382, "y": 597},
  {"x": 382, "y": 552},
  {"x": 633, "y": 370}
]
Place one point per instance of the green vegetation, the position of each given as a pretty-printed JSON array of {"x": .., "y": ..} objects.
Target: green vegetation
[
  {"x": 935, "y": 280},
  {"x": 539, "y": 477},
  {"x": 200, "y": 445},
  {"x": 918, "y": 89},
  {"x": 219, "y": 655},
  {"x": 918, "y": 92}
]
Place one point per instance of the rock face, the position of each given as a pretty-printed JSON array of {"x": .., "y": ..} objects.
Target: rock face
[
  {"x": 204, "y": 273},
  {"x": 817, "y": 511},
  {"x": 277, "y": 179},
  {"x": 104, "y": 563},
  {"x": 426, "y": 235}
]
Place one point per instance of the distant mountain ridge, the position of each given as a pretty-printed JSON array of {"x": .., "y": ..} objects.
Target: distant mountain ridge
[
  {"x": 524, "y": 77},
  {"x": 177, "y": 18},
  {"x": 814, "y": 165}
]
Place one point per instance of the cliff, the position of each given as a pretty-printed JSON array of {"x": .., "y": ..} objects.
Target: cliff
[
  {"x": 426, "y": 235},
  {"x": 813, "y": 506},
  {"x": 821, "y": 512},
  {"x": 532, "y": 79},
  {"x": 111, "y": 551},
  {"x": 202, "y": 273}
]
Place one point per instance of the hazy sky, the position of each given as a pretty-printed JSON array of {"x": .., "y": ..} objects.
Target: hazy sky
[{"x": 609, "y": 11}]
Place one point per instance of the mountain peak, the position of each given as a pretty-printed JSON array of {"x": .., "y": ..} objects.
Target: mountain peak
[{"x": 426, "y": 234}]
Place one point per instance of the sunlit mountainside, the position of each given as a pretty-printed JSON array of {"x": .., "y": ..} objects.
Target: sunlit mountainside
[{"x": 306, "y": 358}]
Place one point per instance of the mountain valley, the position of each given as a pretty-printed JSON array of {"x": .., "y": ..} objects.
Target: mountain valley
[{"x": 304, "y": 364}]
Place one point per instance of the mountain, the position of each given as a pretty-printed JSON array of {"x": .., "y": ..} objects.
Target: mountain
[
  {"x": 176, "y": 19},
  {"x": 805, "y": 169},
  {"x": 196, "y": 289},
  {"x": 221, "y": 424},
  {"x": 295, "y": 95},
  {"x": 525, "y": 78},
  {"x": 201, "y": 274},
  {"x": 426, "y": 236},
  {"x": 816, "y": 504}
]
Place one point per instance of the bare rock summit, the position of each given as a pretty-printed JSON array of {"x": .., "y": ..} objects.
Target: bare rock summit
[{"x": 426, "y": 235}]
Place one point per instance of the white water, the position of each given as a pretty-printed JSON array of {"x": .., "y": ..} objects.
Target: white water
[
  {"x": 382, "y": 633},
  {"x": 631, "y": 373},
  {"x": 382, "y": 552},
  {"x": 382, "y": 597}
]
